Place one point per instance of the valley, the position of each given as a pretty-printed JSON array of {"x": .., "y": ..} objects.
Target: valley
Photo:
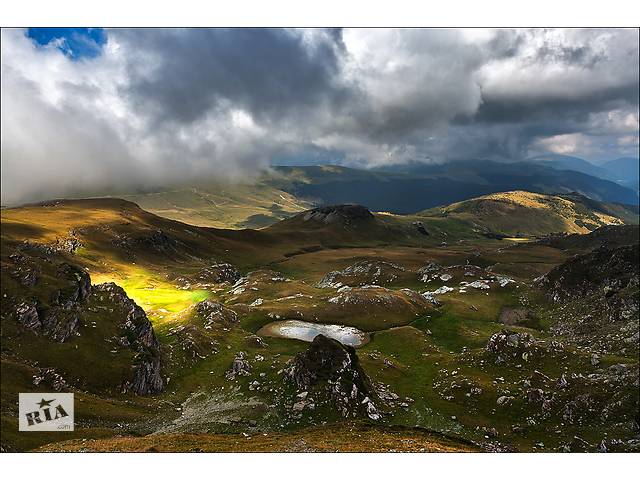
[{"x": 504, "y": 322}]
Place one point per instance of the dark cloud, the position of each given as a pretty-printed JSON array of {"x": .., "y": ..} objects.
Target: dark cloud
[
  {"x": 554, "y": 84},
  {"x": 180, "y": 75},
  {"x": 158, "y": 105}
]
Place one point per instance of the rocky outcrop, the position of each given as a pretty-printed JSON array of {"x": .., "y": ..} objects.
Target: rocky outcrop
[
  {"x": 194, "y": 343},
  {"x": 602, "y": 272},
  {"x": 156, "y": 241},
  {"x": 595, "y": 300},
  {"x": 508, "y": 346},
  {"x": 50, "y": 378},
  {"x": 24, "y": 270},
  {"x": 366, "y": 272},
  {"x": 67, "y": 244},
  {"x": 137, "y": 334},
  {"x": 240, "y": 366},
  {"x": 209, "y": 276},
  {"x": 77, "y": 285},
  {"x": 62, "y": 317},
  {"x": 330, "y": 372},
  {"x": 219, "y": 273},
  {"x": 341, "y": 214},
  {"x": 419, "y": 226},
  {"x": 62, "y": 322},
  {"x": 146, "y": 376},
  {"x": 27, "y": 316},
  {"x": 214, "y": 313}
]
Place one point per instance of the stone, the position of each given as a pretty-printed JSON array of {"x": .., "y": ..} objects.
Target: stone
[
  {"x": 215, "y": 313},
  {"x": 332, "y": 372},
  {"x": 27, "y": 316},
  {"x": 504, "y": 400},
  {"x": 239, "y": 367}
]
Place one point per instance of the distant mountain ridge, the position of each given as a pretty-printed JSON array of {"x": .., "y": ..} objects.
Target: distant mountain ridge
[
  {"x": 415, "y": 187},
  {"x": 623, "y": 171},
  {"x": 576, "y": 164},
  {"x": 284, "y": 191}
]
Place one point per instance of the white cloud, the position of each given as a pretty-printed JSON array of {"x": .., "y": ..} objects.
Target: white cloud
[
  {"x": 565, "y": 144},
  {"x": 158, "y": 106}
]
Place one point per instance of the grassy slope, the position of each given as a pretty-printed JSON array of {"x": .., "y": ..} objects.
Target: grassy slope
[
  {"x": 526, "y": 213},
  {"x": 351, "y": 437},
  {"x": 424, "y": 350},
  {"x": 222, "y": 206}
]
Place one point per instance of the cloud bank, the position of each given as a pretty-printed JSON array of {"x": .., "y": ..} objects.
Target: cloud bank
[{"x": 156, "y": 106}]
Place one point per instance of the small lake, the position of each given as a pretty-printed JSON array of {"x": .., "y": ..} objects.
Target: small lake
[{"x": 307, "y": 331}]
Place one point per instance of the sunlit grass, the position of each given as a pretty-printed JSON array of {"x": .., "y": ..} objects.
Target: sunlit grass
[{"x": 160, "y": 299}]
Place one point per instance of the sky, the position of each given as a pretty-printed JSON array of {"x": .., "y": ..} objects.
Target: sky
[{"x": 125, "y": 108}]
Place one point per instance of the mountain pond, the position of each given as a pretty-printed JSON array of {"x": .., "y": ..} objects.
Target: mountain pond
[{"x": 307, "y": 331}]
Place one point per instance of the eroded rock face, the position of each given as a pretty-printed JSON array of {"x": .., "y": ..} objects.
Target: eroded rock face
[
  {"x": 27, "y": 316},
  {"x": 329, "y": 371},
  {"x": 138, "y": 332},
  {"x": 146, "y": 377},
  {"x": 78, "y": 285},
  {"x": 62, "y": 318},
  {"x": 62, "y": 322}
]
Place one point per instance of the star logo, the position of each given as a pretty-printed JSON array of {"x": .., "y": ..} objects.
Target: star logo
[{"x": 45, "y": 403}]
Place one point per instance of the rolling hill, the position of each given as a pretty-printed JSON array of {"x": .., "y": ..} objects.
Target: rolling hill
[
  {"x": 213, "y": 204},
  {"x": 534, "y": 214}
]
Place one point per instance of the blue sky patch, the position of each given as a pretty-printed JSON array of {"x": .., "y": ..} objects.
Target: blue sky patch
[{"x": 75, "y": 43}]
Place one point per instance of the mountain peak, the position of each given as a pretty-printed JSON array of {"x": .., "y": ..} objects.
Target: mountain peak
[{"x": 346, "y": 213}]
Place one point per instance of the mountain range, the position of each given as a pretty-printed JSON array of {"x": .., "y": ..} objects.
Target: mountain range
[
  {"x": 405, "y": 189},
  {"x": 623, "y": 171}
]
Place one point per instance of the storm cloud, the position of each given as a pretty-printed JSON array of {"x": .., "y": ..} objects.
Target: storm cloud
[{"x": 156, "y": 106}]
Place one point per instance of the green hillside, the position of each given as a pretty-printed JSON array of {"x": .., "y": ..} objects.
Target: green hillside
[
  {"x": 222, "y": 205},
  {"x": 165, "y": 330},
  {"x": 533, "y": 214}
]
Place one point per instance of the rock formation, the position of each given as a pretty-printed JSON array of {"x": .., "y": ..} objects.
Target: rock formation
[{"x": 330, "y": 372}]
